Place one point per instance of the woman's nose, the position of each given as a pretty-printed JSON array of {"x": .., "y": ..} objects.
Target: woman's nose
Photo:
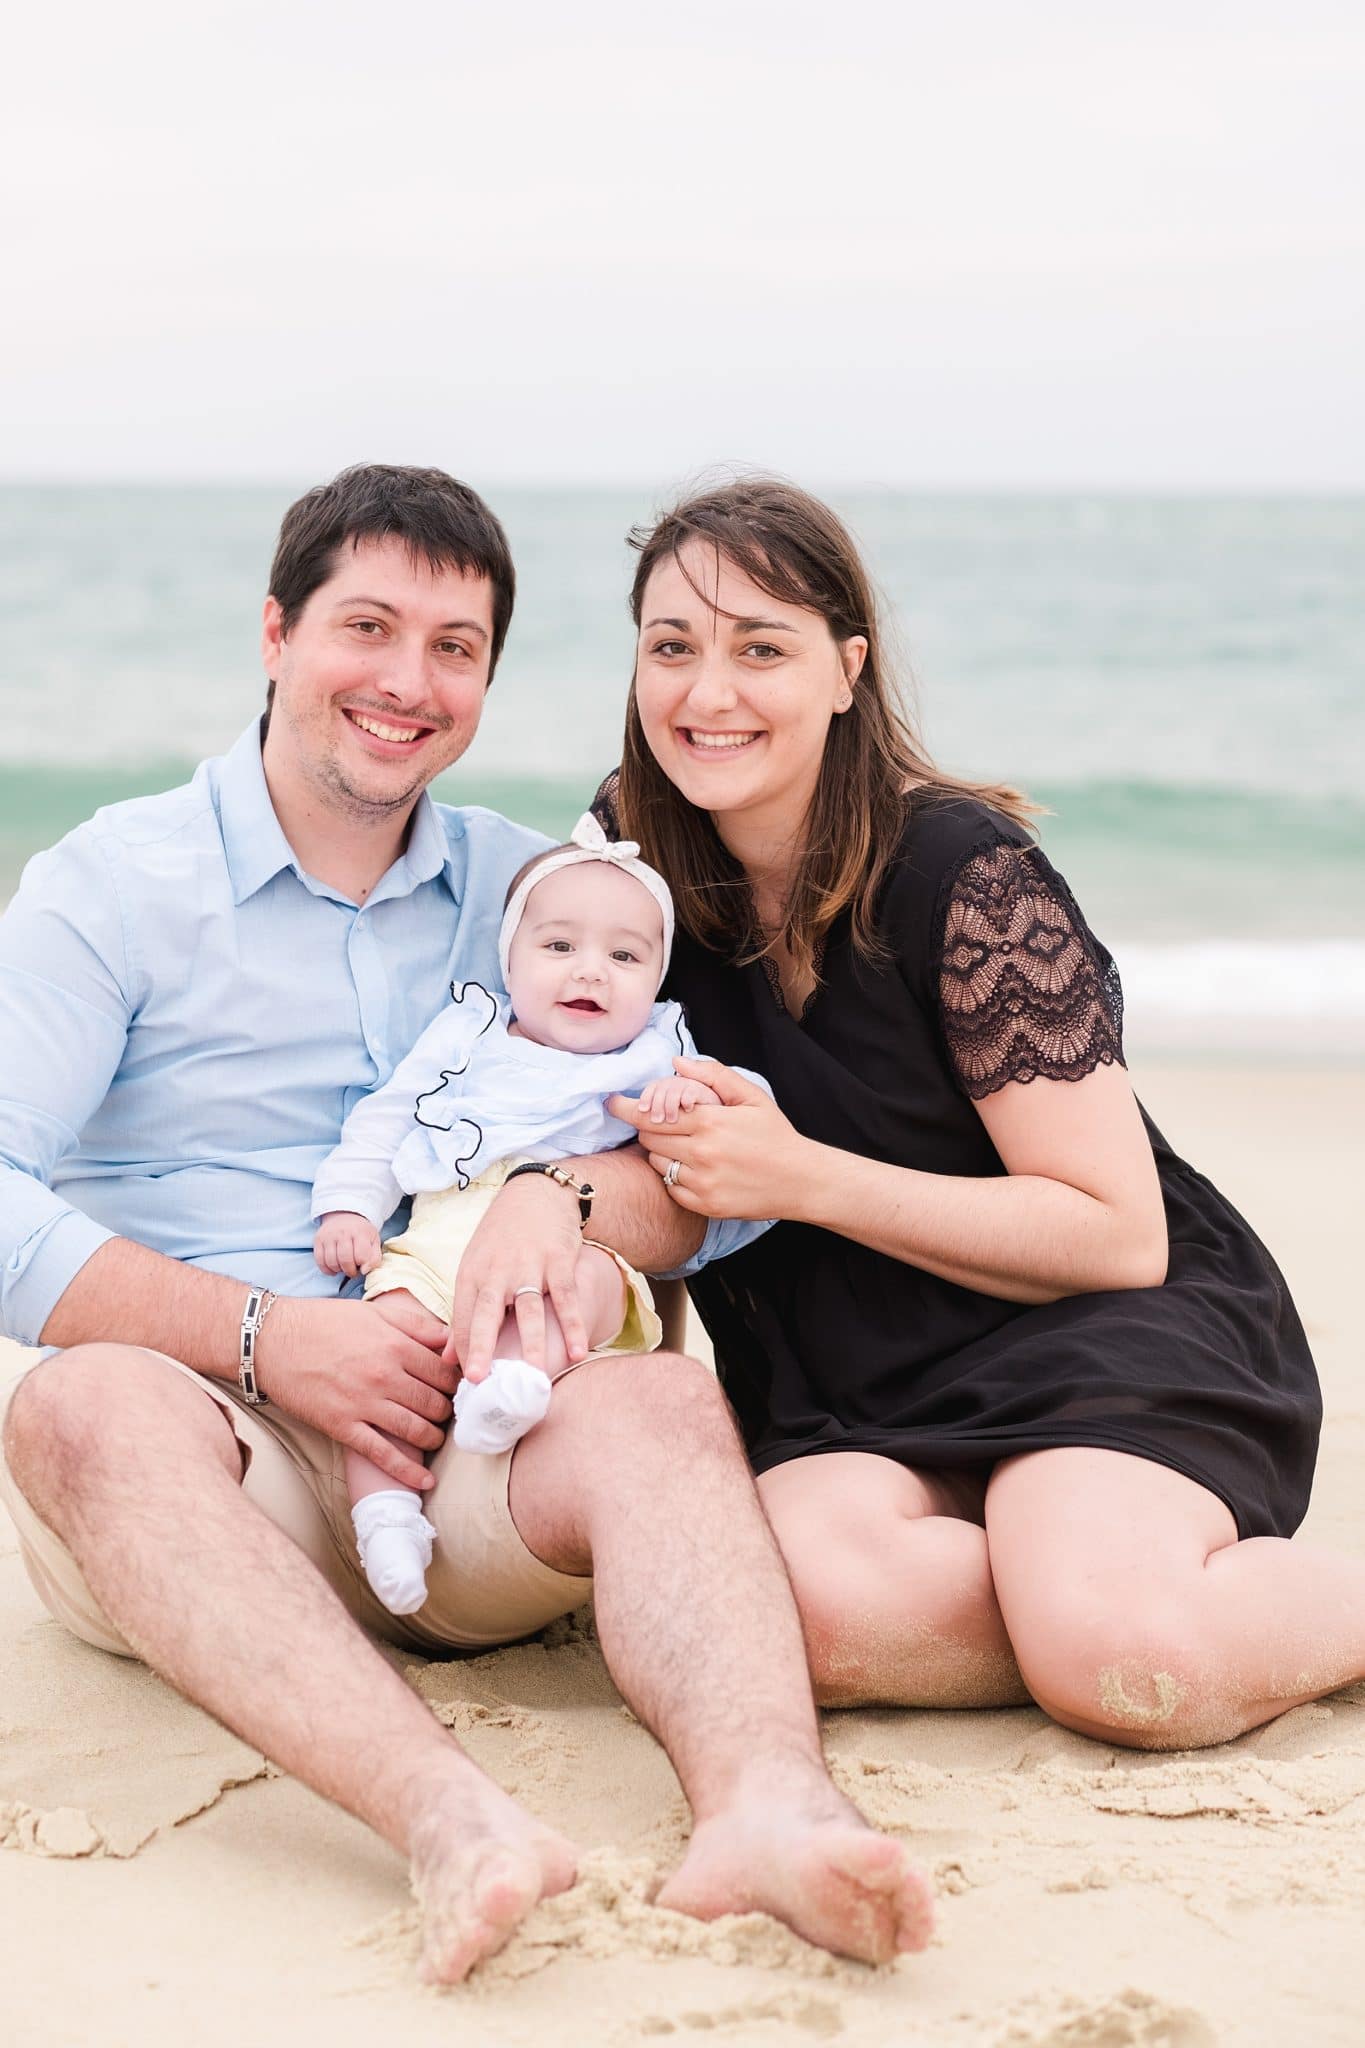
[{"x": 713, "y": 686}]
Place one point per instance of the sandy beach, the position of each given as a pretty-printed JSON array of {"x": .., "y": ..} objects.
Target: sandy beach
[{"x": 164, "y": 1883}]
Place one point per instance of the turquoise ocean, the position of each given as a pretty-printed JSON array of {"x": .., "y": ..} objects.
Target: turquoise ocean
[{"x": 1180, "y": 680}]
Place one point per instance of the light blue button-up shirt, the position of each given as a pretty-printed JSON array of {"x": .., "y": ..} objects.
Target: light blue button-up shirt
[{"x": 186, "y": 1018}]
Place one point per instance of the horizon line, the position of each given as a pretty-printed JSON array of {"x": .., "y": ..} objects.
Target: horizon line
[{"x": 872, "y": 486}]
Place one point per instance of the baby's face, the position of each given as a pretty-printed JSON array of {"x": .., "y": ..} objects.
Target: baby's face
[{"x": 583, "y": 966}]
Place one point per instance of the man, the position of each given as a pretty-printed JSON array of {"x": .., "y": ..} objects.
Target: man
[{"x": 194, "y": 989}]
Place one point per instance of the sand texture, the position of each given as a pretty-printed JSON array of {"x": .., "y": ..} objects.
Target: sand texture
[{"x": 163, "y": 1883}]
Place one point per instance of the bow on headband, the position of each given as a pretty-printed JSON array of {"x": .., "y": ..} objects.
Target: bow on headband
[{"x": 587, "y": 842}]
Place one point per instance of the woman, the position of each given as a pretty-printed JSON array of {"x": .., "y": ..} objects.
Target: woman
[{"x": 1031, "y": 1411}]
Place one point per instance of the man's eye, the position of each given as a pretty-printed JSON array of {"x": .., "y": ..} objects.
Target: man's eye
[
  {"x": 367, "y": 626},
  {"x": 450, "y": 647}
]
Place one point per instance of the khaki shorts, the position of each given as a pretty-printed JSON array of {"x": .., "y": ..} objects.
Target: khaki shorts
[
  {"x": 484, "y": 1586},
  {"x": 426, "y": 1258}
]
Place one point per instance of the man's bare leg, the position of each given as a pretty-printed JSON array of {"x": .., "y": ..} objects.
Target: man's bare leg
[
  {"x": 637, "y": 1475},
  {"x": 139, "y": 1474}
]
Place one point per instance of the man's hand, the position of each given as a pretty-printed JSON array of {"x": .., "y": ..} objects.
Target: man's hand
[
  {"x": 662, "y": 1101},
  {"x": 525, "y": 1249},
  {"x": 354, "y": 1368},
  {"x": 346, "y": 1243}
]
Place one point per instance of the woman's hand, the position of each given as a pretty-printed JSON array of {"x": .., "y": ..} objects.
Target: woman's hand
[{"x": 738, "y": 1158}]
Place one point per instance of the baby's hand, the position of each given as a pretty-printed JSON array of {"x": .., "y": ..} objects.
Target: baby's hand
[
  {"x": 663, "y": 1101},
  {"x": 346, "y": 1243}
]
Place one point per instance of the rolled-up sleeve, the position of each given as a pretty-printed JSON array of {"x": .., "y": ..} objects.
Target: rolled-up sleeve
[
  {"x": 724, "y": 1234},
  {"x": 64, "y": 1014}
]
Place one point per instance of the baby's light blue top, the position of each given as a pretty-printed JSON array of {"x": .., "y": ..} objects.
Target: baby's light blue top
[
  {"x": 187, "y": 1018},
  {"x": 471, "y": 1094}
]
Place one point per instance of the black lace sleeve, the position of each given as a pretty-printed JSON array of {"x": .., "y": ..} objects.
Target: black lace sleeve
[
  {"x": 1024, "y": 989},
  {"x": 604, "y": 806}
]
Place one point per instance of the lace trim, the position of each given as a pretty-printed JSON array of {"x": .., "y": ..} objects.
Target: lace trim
[
  {"x": 1022, "y": 989},
  {"x": 774, "y": 980}
]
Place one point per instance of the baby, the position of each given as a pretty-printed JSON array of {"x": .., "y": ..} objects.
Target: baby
[{"x": 489, "y": 1087}]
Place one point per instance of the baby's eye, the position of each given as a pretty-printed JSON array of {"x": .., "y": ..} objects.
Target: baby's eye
[
  {"x": 558, "y": 946},
  {"x": 627, "y": 958}
]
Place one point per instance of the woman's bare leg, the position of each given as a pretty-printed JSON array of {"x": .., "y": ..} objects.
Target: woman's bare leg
[
  {"x": 1138, "y": 1617},
  {"x": 893, "y": 1582}
]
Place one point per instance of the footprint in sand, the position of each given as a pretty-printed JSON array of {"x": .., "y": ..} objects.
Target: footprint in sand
[
  {"x": 1130, "y": 2019},
  {"x": 814, "y": 2016}
]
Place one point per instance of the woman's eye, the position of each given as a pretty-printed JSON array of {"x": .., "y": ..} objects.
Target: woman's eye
[
  {"x": 668, "y": 648},
  {"x": 763, "y": 650}
]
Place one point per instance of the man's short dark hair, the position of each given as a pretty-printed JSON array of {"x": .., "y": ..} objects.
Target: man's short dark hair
[{"x": 442, "y": 522}]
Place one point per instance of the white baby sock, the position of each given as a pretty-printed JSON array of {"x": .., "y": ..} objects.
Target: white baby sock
[
  {"x": 394, "y": 1539},
  {"x": 495, "y": 1413}
]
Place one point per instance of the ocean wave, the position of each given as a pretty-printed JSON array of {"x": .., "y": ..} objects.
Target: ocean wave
[
  {"x": 1228, "y": 990},
  {"x": 1206, "y": 817},
  {"x": 1196, "y": 813}
]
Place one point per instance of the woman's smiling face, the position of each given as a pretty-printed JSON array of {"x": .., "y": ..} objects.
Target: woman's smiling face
[{"x": 736, "y": 690}]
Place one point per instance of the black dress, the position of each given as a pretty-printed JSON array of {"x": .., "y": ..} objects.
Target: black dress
[{"x": 991, "y": 976}]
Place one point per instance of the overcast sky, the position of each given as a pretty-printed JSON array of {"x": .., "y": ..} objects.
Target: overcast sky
[{"x": 957, "y": 245}]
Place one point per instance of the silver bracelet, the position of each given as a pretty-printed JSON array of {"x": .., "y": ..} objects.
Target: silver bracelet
[{"x": 259, "y": 1302}]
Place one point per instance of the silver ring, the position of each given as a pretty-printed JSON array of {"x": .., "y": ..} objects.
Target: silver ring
[
  {"x": 527, "y": 1290},
  {"x": 674, "y": 1169}
]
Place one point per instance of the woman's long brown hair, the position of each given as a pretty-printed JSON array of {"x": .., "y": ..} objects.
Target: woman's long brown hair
[{"x": 796, "y": 549}]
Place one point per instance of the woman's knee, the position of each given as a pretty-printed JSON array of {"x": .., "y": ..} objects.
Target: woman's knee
[
  {"x": 915, "y": 1587},
  {"x": 1127, "y": 1668}
]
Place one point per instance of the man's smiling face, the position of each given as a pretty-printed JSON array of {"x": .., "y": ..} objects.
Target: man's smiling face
[{"x": 380, "y": 681}]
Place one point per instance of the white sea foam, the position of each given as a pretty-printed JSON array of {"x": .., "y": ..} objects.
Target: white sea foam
[{"x": 1254, "y": 991}]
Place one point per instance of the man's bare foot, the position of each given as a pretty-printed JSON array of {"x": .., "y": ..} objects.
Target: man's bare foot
[
  {"x": 820, "y": 1869},
  {"x": 479, "y": 1864}
]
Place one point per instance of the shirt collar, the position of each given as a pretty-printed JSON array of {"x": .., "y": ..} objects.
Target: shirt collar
[
  {"x": 427, "y": 854},
  {"x": 257, "y": 850},
  {"x": 255, "y": 846}
]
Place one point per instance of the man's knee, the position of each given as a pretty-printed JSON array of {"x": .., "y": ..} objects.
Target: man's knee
[
  {"x": 68, "y": 1412},
  {"x": 666, "y": 1397},
  {"x": 56, "y": 1405}
]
